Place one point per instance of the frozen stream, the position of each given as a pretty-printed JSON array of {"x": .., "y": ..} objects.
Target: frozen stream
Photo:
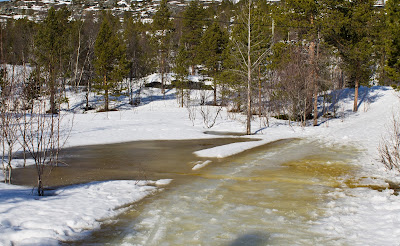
[{"x": 272, "y": 195}]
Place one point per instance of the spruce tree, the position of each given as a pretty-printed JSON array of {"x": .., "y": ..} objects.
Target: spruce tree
[
  {"x": 393, "y": 39},
  {"x": 348, "y": 26},
  {"x": 180, "y": 70},
  {"x": 192, "y": 31},
  {"x": 139, "y": 53},
  {"x": 162, "y": 30},
  {"x": 25, "y": 30},
  {"x": 52, "y": 50},
  {"x": 211, "y": 52},
  {"x": 110, "y": 57}
]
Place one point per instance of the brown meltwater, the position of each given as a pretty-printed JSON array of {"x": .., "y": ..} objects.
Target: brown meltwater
[
  {"x": 133, "y": 160},
  {"x": 272, "y": 195}
]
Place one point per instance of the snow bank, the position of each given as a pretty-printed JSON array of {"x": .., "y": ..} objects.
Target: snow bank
[
  {"x": 26, "y": 219},
  {"x": 362, "y": 216}
]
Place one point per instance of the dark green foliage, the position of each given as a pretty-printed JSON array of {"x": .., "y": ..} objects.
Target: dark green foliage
[
  {"x": 181, "y": 71},
  {"x": 365, "y": 40},
  {"x": 32, "y": 87},
  {"x": 139, "y": 53},
  {"x": 162, "y": 18},
  {"x": 192, "y": 31},
  {"x": 351, "y": 34},
  {"x": 303, "y": 16},
  {"x": 110, "y": 57},
  {"x": 52, "y": 36},
  {"x": 393, "y": 44},
  {"x": 212, "y": 47},
  {"x": 212, "y": 51},
  {"x": 18, "y": 41},
  {"x": 162, "y": 32},
  {"x": 52, "y": 49}
]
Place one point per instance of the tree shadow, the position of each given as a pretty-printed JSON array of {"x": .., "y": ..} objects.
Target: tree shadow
[
  {"x": 148, "y": 98},
  {"x": 366, "y": 96},
  {"x": 16, "y": 195},
  {"x": 146, "y": 95},
  {"x": 251, "y": 239}
]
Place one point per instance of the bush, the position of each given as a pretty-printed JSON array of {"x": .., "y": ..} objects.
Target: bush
[{"x": 389, "y": 147}]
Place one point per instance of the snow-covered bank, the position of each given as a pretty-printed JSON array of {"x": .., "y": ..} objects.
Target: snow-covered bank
[
  {"x": 362, "y": 216},
  {"x": 70, "y": 212},
  {"x": 74, "y": 210}
]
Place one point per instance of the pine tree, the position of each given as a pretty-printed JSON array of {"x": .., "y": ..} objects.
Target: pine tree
[
  {"x": 192, "y": 31},
  {"x": 162, "y": 31},
  {"x": 110, "y": 57},
  {"x": 211, "y": 52},
  {"x": 180, "y": 70},
  {"x": 139, "y": 53},
  {"x": 348, "y": 28},
  {"x": 51, "y": 49},
  {"x": 393, "y": 39},
  {"x": 25, "y": 30}
]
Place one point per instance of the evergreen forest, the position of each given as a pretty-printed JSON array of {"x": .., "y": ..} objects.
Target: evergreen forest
[{"x": 266, "y": 58}]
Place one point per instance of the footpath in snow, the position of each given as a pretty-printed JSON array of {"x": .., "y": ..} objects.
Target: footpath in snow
[{"x": 355, "y": 216}]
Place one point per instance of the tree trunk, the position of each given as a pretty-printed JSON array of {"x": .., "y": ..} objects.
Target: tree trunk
[
  {"x": 259, "y": 93},
  {"x": 248, "y": 125},
  {"x": 77, "y": 59},
  {"x": 162, "y": 75},
  {"x": 313, "y": 77},
  {"x": 315, "y": 85},
  {"x": 355, "y": 108},
  {"x": 9, "y": 173},
  {"x": 131, "y": 86},
  {"x": 9, "y": 163},
  {"x": 52, "y": 85},
  {"x": 87, "y": 97},
  {"x": 193, "y": 70},
  {"x": 215, "y": 88},
  {"x": 105, "y": 94},
  {"x": 182, "y": 99},
  {"x": 3, "y": 155},
  {"x": 40, "y": 187},
  {"x": 52, "y": 99}
]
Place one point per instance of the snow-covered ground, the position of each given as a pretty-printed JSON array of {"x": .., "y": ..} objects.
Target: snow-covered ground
[
  {"x": 371, "y": 216},
  {"x": 69, "y": 212}
]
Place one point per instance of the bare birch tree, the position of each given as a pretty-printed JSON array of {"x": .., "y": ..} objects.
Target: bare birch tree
[
  {"x": 9, "y": 115},
  {"x": 251, "y": 44},
  {"x": 44, "y": 138}
]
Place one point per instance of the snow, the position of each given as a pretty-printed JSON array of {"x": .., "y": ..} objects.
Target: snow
[
  {"x": 368, "y": 217},
  {"x": 29, "y": 220},
  {"x": 163, "y": 182},
  {"x": 201, "y": 164},
  {"x": 358, "y": 216}
]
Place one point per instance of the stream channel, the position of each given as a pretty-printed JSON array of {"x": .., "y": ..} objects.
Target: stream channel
[{"x": 270, "y": 195}]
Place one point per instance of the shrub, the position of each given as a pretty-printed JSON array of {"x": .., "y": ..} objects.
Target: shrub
[{"x": 389, "y": 147}]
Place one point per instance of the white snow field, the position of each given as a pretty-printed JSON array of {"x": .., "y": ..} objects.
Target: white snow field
[{"x": 359, "y": 216}]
